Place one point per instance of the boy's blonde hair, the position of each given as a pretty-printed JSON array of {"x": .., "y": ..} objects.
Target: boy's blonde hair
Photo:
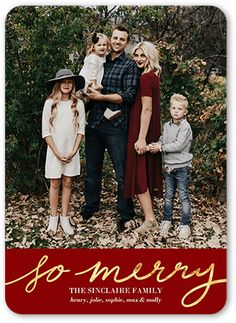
[
  {"x": 90, "y": 45},
  {"x": 152, "y": 55},
  {"x": 180, "y": 98}
]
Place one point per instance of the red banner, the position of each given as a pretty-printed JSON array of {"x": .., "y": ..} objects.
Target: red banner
[{"x": 115, "y": 281}]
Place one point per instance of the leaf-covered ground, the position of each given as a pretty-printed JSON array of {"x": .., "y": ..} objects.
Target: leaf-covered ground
[{"x": 27, "y": 219}]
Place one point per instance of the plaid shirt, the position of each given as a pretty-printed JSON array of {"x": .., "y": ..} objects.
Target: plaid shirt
[{"x": 121, "y": 76}]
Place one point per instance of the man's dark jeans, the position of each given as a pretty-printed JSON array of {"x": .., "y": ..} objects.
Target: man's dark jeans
[{"x": 114, "y": 139}]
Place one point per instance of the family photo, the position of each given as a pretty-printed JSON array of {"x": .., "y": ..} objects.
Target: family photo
[{"x": 115, "y": 127}]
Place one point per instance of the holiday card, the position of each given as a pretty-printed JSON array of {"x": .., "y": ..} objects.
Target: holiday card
[{"x": 102, "y": 267}]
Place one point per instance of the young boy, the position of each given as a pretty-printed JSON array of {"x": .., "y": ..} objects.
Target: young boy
[{"x": 175, "y": 144}]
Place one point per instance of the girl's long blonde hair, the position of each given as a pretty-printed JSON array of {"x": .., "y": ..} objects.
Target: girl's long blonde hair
[
  {"x": 56, "y": 96},
  {"x": 152, "y": 55}
]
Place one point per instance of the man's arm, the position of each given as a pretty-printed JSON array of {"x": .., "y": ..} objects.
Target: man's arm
[
  {"x": 127, "y": 95},
  {"x": 130, "y": 83},
  {"x": 97, "y": 96}
]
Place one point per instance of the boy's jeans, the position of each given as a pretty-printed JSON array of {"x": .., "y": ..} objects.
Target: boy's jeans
[{"x": 178, "y": 178}]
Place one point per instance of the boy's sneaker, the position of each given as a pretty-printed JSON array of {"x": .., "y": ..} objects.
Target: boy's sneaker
[
  {"x": 184, "y": 231},
  {"x": 165, "y": 227}
]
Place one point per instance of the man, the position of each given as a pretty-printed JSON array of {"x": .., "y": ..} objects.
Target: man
[{"x": 120, "y": 83}]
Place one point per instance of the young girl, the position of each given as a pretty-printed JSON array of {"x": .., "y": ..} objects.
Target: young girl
[
  {"x": 93, "y": 68},
  {"x": 63, "y": 123},
  {"x": 96, "y": 51}
]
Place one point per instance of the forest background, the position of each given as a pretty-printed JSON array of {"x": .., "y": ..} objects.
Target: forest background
[{"x": 192, "y": 45}]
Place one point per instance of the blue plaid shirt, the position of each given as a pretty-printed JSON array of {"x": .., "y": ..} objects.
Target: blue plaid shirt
[{"x": 121, "y": 76}]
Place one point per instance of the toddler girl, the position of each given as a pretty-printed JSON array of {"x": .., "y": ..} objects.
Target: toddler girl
[
  {"x": 96, "y": 51},
  {"x": 93, "y": 68}
]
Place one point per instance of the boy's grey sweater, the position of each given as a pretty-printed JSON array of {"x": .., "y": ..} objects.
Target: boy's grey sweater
[{"x": 176, "y": 140}]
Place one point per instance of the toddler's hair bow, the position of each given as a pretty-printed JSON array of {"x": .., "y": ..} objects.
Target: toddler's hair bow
[{"x": 95, "y": 39}]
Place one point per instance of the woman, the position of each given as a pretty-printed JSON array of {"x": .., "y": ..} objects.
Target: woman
[{"x": 143, "y": 169}]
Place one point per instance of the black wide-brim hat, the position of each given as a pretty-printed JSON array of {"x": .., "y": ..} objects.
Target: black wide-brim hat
[{"x": 63, "y": 74}]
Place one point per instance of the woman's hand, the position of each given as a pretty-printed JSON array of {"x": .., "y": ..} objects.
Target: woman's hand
[{"x": 140, "y": 146}]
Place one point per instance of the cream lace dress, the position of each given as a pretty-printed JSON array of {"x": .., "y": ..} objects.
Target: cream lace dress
[{"x": 64, "y": 134}]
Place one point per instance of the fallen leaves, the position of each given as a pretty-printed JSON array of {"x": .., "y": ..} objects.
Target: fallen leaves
[{"x": 27, "y": 219}]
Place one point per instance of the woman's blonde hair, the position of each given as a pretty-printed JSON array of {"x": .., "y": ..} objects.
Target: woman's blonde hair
[
  {"x": 56, "y": 96},
  {"x": 90, "y": 45},
  {"x": 152, "y": 55}
]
